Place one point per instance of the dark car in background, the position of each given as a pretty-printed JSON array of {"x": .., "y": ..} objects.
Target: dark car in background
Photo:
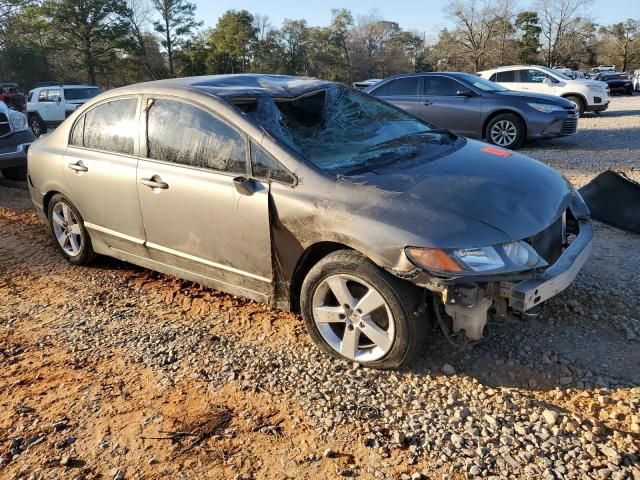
[
  {"x": 617, "y": 82},
  {"x": 15, "y": 139},
  {"x": 476, "y": 107}
]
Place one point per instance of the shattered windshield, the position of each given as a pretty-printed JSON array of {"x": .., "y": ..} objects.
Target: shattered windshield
[{"x": 342, "y": 130}]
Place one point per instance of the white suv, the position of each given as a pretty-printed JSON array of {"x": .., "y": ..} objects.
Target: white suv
[
  {"x": 49, "y": 105},
  {"x": 587, "y": 95}
]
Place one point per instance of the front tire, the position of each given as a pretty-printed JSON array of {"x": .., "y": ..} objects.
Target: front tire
[
  {"x": 579, "y": 103},
  {"x": 69, "y": 234},
  {"x": 357, "y": 312},
  {"x": 507, "y": 131}
]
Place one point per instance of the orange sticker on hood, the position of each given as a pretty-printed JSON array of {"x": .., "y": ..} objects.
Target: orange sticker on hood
[{"x": 496, "y": 151}]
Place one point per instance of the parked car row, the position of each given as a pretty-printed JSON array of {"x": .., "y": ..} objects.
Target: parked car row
[{"x": 475, "y": 107}]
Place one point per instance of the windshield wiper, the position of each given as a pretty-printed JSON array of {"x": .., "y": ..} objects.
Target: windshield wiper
[{"x": 397, "y": 140}]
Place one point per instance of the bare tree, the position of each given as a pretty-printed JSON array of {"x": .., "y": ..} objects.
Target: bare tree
[
  {"x": 560, "y": 20},
  {"x": 625, "y": 37},
  {"x": 263, "y": 26},
  {"x": 139, "y": 16},
  {"x": 368, "y": 38},
  {"x": 476, "y": 26}
]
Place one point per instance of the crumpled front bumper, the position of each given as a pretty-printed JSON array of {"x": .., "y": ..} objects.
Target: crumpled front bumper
[
  {"x": 560, "y": 275},
  {"x": 522, "y": 290}
]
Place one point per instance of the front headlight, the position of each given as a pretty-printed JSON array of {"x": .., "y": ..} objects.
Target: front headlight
[
  {"x": 506, "y": 257},
  {"x": 18, "y": 121},
  {"x": 545, "y": 107}
]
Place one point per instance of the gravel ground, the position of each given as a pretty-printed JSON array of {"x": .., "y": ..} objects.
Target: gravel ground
[{"x": 555, "y": 395}]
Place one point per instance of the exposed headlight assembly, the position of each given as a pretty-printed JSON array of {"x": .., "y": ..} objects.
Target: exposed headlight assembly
[
  {"x": 18, "y": 121},
  {"x": 545, "y": 107},
  {"x": 503, "y": 258}
]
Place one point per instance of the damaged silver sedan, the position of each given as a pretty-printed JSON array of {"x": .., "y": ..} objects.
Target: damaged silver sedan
[{"x": 311, "y": 197}]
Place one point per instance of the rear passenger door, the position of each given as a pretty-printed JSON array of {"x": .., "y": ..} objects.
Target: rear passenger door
[
  {"x": 403, "y": 92},
  {"x": 508, "y": 79},
  {"x": 442, "y": 106},
  {"x": 100, "y": 169},
  {"x": 196, "y": 218}
]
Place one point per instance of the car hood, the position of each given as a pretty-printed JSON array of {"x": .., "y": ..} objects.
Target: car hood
[
  {"x": 476, "y": 195},
  {"x": 534, "y": 97},
  {"x": 588, "y": 82}
]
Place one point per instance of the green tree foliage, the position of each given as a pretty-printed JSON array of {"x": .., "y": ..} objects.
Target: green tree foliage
[
  {"x": 177, "y": 20},
  {"x": 529, "y": 45},
  {"x": 232, "y": 41},
  {"x": 91, "y": 29}
]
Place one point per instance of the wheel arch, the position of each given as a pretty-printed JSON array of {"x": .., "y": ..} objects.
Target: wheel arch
[
  {"x": 502, "y": 111},
  {"x": 311, "y": 256},
  {"x": 576, "y": 94}
]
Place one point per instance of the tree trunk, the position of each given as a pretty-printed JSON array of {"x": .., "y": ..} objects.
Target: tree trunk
[{"x": 169, "y": 46}]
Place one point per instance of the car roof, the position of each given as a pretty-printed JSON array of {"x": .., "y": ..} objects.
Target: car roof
[
  {"x": 224, "y": 86},
  {"x": 510, "y": 67}
]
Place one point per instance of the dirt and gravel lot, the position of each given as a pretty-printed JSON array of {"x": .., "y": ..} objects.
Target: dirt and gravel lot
[{"x": 117, "y": 372}]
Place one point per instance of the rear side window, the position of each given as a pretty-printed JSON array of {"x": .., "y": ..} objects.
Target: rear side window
[
  {"x": 265, "y": 167},
  {"x": 111, "y": 126},
  {"x": 506, "y": 77},
  {"x": 404, "y": 87},
  {"x": 182, "y": 133}
]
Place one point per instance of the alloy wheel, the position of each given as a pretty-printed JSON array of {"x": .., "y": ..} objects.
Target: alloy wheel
[
  {"x": 35, "y": 127},
  {"x": 504, "y": 133},
  {"x": 66, "y": 229},
  {"x": 353, "y": 318}
]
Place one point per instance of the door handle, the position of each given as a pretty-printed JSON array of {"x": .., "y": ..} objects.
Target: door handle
[
  {"x": 78, "y": 167},
  {"x": 427, "y": 103},
  {"x": 154, "y": 182}
]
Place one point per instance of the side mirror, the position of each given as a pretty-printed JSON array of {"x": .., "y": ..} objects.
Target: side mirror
[
  {"x": 244, "y": 185},
  {"x": 464, "y": 93},
  {"x": 548, "y": 82}
]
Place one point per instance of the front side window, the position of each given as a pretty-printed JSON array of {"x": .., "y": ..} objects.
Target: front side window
[
  {"x": 111, "y": 126},
  {"x": 178, "y": 132},
  {"x": 532, "y": 75},
  {"x": 265, "y": 167},
  {"x": 404, "y": 87},
  {"x": 440, "y": 86},
  {"x": 42, "y": 96},
  {"x": 53, "y": 95}
]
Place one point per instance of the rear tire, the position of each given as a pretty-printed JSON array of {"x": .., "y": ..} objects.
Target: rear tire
[
  {"x": 69, "y": 234},
  {"x": 15, "y": 173},
  {"x": 507, "y": 131},
  {"x": 578, "y": 102},
  {"x": 375, "y": 318}
]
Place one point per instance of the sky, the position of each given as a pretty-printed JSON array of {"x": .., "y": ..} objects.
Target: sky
[{"x": 425, "y": 16}]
